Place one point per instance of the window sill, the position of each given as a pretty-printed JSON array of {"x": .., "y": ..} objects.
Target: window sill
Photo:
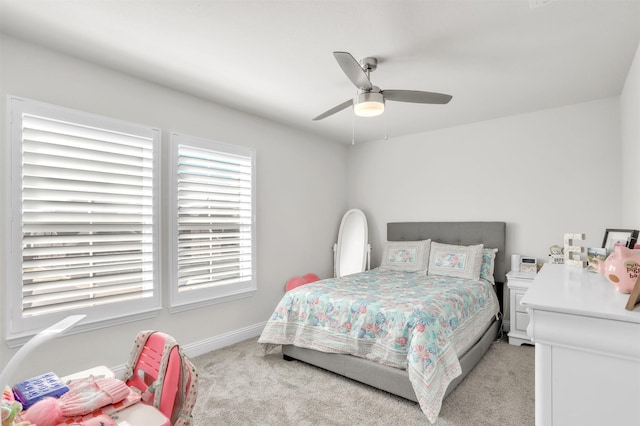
[
  {"x": 20, "y": 339},
  {"x": 186, "y": 306}
]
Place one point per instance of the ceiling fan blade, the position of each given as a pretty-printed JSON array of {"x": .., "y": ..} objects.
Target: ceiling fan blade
[
  {"x": 416, "y": 96},
  {"x": 335, "y": 109},
  {"x": 353, "y": 70}
]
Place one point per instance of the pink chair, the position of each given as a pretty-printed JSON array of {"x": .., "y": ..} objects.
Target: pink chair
[{"x": 145, "y": 374}]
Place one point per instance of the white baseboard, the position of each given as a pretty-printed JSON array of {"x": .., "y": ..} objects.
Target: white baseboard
[
  {"x": 209, "y": 344},
  {"x": 195, "y": 349}
]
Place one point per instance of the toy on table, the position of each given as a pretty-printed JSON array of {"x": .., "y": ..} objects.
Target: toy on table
[
  {"x": 84, "y": 397},
  {"x": 32, "y": 390},
  {"x": 9, "y": 409}
]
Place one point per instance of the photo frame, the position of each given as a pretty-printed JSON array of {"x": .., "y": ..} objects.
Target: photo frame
[
  {"x": 634, "y": 297},
  {"x": 612, "y": 237},
  {"x": 595, "y": 257}
]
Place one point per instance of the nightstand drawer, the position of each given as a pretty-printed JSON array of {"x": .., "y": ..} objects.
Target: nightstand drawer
[
  {"x": 522, "y": 321},
  {"x": 519, "y": 307}
]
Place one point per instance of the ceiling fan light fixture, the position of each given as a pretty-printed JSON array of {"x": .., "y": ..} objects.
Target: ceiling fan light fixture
[{"x": 368, "y": 104}]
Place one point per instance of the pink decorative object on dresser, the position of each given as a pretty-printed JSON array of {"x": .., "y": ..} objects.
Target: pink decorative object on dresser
[{"x": 621, "y": 268}]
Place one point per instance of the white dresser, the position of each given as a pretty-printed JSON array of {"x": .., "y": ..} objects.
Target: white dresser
[{"x": 587, "y": 349}]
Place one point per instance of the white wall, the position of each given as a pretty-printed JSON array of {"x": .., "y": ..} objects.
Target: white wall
[
  {"x": 544, "y": 173},
  {"x": 300, "y": 181},
  {"x": 630, "y": 111}
]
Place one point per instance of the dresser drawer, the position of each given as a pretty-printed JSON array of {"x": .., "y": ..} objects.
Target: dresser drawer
[
  {"x": 519, "y": 307},
  {"x": 522, "y": 321}
]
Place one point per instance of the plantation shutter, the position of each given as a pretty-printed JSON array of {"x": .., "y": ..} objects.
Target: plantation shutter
[
  {"x": 214, "y": 214},
  {"x": 87, "y": 215}
]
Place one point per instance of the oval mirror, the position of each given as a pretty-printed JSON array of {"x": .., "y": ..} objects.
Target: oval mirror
[{"x": 352, "y": 248}]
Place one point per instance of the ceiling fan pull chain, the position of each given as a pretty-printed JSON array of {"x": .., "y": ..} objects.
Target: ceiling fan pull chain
[
  {"x": 386, "y": 136},
  {"x": 353, "y": 129}
]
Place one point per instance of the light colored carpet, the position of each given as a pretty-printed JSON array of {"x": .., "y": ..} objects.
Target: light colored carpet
[{"x": 239, "y": 385}]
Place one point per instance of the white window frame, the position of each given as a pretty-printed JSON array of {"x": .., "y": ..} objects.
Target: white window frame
[
  {"x": 193, "y": 298},
  {"x": 19, "y": 328}
]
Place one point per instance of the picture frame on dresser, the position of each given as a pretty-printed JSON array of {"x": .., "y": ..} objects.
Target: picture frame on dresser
[
  {"x": 619, "y": 236},
  {"x": 634, "y": 297}
]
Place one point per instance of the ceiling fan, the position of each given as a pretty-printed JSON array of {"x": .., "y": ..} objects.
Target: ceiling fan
[{"x": 370, "y": 100}]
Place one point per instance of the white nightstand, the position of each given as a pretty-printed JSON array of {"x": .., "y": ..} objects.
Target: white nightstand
[{"x": 518, "y": 318}]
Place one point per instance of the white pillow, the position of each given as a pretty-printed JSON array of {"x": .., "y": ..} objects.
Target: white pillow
[
  {"x": 406, "y": 256},
  {"x": 455, "y": 261},
  {"x": 488, "y": 265}
]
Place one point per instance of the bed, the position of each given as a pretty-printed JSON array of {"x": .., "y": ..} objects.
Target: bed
[{"x": 431, "y": 368}]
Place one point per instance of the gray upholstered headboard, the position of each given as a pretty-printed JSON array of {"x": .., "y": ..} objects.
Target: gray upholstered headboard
[{"x": 491, "y": 234}]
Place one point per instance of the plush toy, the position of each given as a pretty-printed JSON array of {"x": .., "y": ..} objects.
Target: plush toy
[
  {"x": 294, "y": 282},
  {"x": 10, "y": 408},
  {"x": 84, "y": 397},
  {"x": 298, "y": 281},
  {"x": 309, "y": 278}
]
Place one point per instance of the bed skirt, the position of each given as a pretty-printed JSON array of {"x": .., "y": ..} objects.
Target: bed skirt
[{"x": 389, "y": 379}]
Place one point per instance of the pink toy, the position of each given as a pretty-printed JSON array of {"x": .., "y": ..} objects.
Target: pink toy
[
  {"x": 298, "y": 281},
  {"x": 294, "y": 282},
  {"x": 84, "y": 397},
  {"x": 309, "y": 278},
  {"x": 622, "y": 268}
]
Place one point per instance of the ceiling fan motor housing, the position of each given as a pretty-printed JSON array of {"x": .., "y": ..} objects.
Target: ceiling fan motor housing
[{"x": 369, "y": 63}]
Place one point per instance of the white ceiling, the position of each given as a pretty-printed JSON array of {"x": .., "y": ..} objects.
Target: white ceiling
[{"x": 274, "y": 58}]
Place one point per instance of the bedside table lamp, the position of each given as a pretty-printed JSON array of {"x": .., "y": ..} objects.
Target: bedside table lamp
[{"x": 56, "y": 330}]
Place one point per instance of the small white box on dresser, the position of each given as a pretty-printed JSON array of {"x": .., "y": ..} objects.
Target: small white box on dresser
[{"x": 518, "y": 284}]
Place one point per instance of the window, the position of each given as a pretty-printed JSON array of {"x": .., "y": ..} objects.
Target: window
[
  {"x": 213, "y": 222},
  {"x": 84, "y": 230}
]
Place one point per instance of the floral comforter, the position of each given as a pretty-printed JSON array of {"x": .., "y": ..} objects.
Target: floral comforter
[{"x": 403, "y": 320}]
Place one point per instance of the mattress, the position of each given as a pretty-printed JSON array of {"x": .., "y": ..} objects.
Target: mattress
[{"x": 409, "y": 321}]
